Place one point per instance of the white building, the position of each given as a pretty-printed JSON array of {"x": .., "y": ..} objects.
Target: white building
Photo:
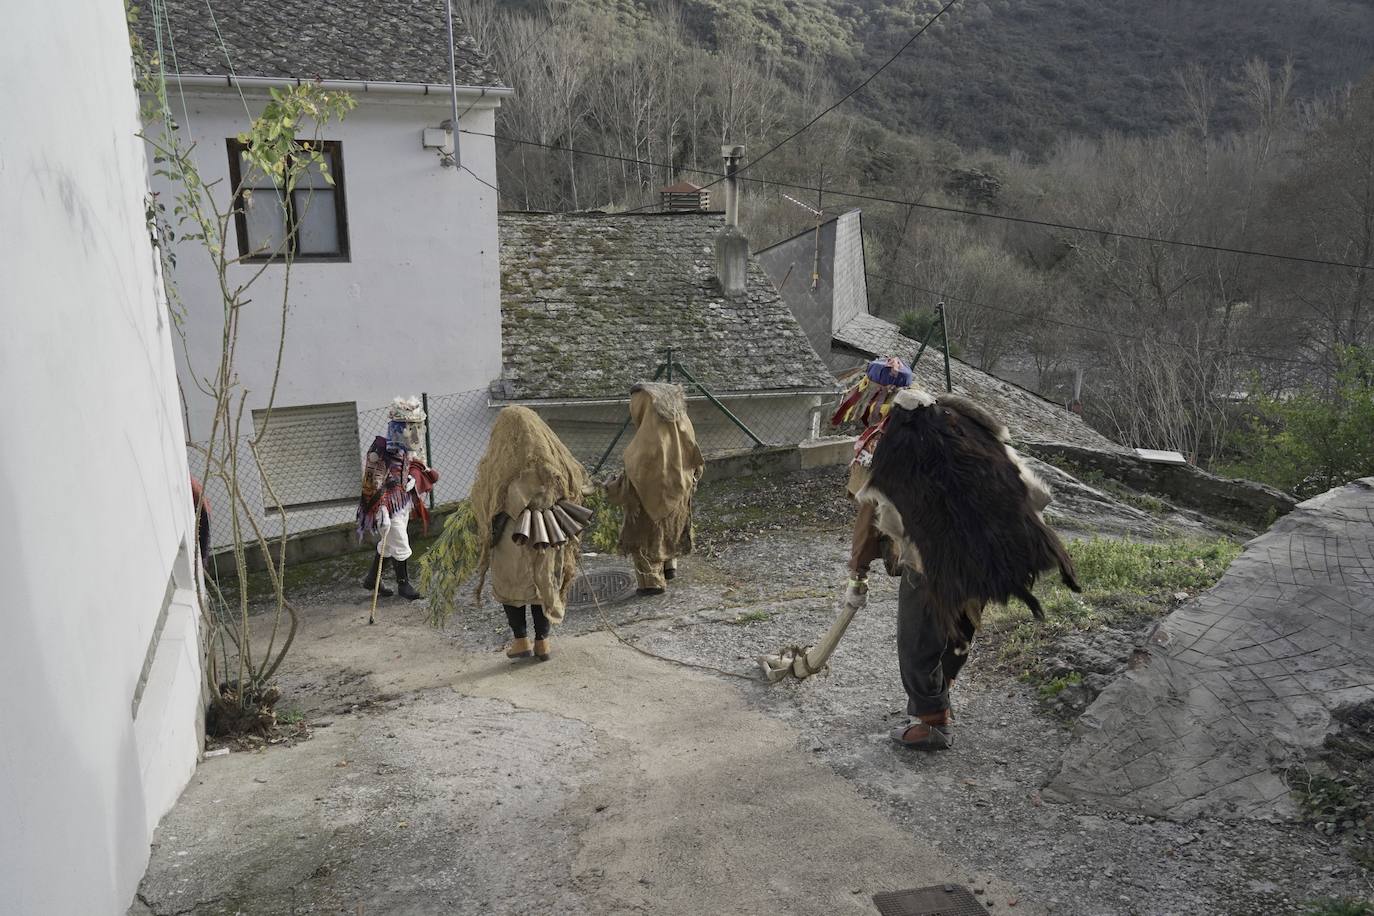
[
  {"x": 395, "y": 285},
  {"x": 100, "y": 680}
]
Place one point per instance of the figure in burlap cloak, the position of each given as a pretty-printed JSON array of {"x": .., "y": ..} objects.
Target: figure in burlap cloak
[
  {"x": 662, "y": 467},
  {"x": 527, "y": 502}
]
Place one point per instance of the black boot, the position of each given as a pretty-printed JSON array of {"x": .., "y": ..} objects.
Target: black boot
[
  {"x": 403, "y": 581},
  {"x": 370, "y": 580}
]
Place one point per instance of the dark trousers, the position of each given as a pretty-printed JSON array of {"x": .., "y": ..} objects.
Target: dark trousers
[
  {"x": 928, "y": 658},
  {"x": 515, "y": 616}
]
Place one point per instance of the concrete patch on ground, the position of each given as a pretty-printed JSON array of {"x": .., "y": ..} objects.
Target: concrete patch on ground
[
  {"x": 423, "y": 804},
  {"x": 1243, "y": 679}
]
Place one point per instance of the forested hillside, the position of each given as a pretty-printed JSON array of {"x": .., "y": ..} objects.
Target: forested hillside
[
  {"x": 1225, "y": 125},
  {"x": 1021, "y": 74}
]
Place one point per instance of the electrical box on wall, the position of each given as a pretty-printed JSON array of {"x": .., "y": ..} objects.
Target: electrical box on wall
[{"x": 436, "y": 138}]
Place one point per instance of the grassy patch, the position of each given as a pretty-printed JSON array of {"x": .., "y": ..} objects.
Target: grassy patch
[
  {"x": 751, "y": 617},
  {"x": 1053, "y": 688},
  {"x": 1124, "y": 582},
  {"x": 1340, "y": 908}
]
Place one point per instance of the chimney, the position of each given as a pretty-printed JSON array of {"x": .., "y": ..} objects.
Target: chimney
[{"x": 732, "y": 248}]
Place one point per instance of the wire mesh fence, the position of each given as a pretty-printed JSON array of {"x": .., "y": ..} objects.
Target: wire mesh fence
[{"x": 310, "y": 458}]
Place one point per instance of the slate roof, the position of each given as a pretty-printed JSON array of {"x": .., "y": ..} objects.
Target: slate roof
[
  {"x": 397, "y": 41},
  {"x": 1029, "y": 417},
  {"x": 590, "y": 303}
]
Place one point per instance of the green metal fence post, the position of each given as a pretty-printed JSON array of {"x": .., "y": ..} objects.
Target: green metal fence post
[
  {"x": 944, "y": 339},
  {"x": 758, "y": 443},
  {"x": 429, "y": 452},
  {"x": 925, "y": 341}
]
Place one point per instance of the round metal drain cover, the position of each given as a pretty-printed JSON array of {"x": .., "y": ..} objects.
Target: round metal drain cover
[{"x": 604, "y": 586}]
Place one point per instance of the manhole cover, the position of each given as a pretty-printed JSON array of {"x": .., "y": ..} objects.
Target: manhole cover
[
  {"x": 604, "y": 586},
  {"x": 940, "y": 900}
]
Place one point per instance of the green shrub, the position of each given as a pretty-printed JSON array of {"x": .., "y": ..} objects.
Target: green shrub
[{"x": 1314, "y": 440}]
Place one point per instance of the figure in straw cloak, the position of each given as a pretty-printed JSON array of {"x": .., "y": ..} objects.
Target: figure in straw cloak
[
  {"x": 527, "y": 509},
  {"x": 395, "y": 482},
  {"x": 662, "y": 467}
]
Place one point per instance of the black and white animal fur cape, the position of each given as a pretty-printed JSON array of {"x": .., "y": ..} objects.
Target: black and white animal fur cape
[{"x": 962, "y": 506}]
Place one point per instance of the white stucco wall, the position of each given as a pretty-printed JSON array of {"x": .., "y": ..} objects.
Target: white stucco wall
[
  {"x": 94, "y": 482},
  {"x": 417, "y": 307}
]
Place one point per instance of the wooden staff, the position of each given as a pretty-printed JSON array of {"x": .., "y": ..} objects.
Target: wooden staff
[{"x": 376, "y": 586}]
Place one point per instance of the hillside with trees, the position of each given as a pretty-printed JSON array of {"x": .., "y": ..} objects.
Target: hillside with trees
[{"x": 1225, "y": 126}]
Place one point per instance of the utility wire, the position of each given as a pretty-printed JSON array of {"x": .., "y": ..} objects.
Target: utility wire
[
  {"x": 961, "y": 211},
  {"x": 520, "y": 55},
  {"x": 219, "y": 36},
  {"x": 1096, "y": 330},
  {"x": 848, "y": 95},
  {"x": 844, "y": 98}
]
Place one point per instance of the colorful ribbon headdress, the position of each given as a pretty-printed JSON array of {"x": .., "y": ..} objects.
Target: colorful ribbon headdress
[{"x": 869, "y": 399}]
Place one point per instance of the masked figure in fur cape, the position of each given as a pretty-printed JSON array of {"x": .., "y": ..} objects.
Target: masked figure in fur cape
[
  {"x": 962, "y": 512},
  {"x": 395, "y": 481},
  {"x": 662, "y": 467},
  {"x": 527, "y": 500}
]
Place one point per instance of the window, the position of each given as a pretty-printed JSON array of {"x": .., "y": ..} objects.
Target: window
[
  {"x": 311, "y": 219},
  {"x": 310, "y": 455}
]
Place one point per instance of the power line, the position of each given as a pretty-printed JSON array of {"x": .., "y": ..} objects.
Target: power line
[
  {"x": 848, "y": 95},
  {"x": 961, "y": 211},
  {"x": 519, "y": 56},
  {"x": 1096, "y": 330},
  {"x": 844, "y": 98},
  {"x": 480, "y": 179}
]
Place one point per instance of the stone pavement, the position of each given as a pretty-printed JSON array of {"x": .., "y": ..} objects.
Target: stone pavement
[{"x": 1242, "y": 680}]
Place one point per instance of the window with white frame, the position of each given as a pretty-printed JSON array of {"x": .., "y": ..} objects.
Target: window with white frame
[
  {"x": 309, "y": 223},
  {"x": 310, "y": 455}
]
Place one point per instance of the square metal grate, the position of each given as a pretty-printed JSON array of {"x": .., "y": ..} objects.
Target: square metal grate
[
  {"x": 940, "y": 900},
  {"x": 604, "y": 586}
]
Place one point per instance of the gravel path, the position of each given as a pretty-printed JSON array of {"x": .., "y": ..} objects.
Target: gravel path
[{"x": 441, "y": 778}]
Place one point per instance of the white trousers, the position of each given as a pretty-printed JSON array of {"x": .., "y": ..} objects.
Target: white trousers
[{"x": 395, "y": 539}]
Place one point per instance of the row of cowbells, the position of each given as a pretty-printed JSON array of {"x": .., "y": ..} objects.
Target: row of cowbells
[{"x": 552, "y": 527}]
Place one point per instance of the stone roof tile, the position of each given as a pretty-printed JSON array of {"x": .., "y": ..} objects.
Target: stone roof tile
[
  {"x": 590, "y": 303},
  {"x": 399, "y": 41}
]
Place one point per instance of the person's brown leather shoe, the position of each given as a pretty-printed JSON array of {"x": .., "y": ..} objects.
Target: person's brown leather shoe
[
  {"x": 519, "y": 648},
  {"x": 541, "y": 649},
  {"x": 929, "y": 732}
]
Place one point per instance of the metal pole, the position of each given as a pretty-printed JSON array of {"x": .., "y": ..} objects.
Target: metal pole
[
  {"x": 944, "y": 338},
  {"x": 429, "y": 450},
  {"x": 759, "y": 443},
  {"x": 453, "y": 78},
  {"x": 925, "y": 340},
  {"x": 623, "y": 426}
]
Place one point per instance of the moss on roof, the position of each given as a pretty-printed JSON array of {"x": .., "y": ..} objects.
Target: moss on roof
[{"x": 591, "y": 303}]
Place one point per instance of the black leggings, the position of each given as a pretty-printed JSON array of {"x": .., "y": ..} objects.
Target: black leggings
[{"x": 515, "y": 616}]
